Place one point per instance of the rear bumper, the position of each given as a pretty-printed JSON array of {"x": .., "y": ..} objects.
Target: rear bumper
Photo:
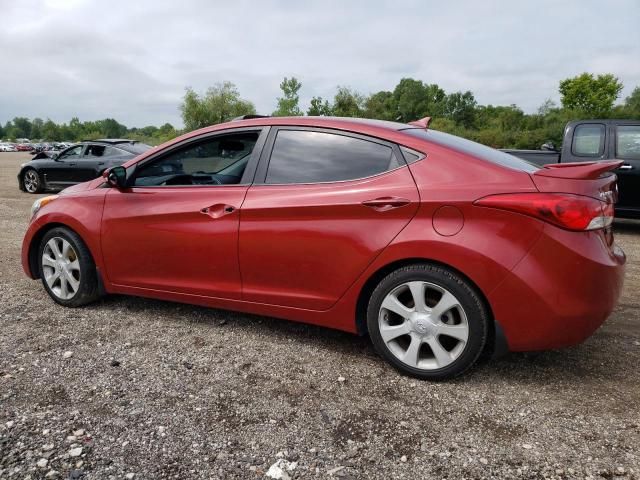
[{"x": 560, "y": 292}]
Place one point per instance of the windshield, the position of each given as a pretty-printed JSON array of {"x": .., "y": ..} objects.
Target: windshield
[{"x": 472, "y": 148}]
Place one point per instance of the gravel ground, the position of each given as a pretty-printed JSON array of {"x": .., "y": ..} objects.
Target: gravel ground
[{"x": 135, "y": 388}]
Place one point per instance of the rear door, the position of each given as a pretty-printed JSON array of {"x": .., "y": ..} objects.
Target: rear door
[
  {"x": 627, "y": 148},
  {"x": 325, "y": 203},
  {"x": 84, "y": 168}
]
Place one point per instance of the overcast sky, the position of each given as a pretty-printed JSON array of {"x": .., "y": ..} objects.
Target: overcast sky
[{"x": 131, "y": 60}]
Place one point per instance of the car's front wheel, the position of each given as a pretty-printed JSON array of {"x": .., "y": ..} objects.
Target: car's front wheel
[
  {"x": 427, "y": 322},
  {"x": 67, "y": 269},
  {"x": 31, "y": 181}
]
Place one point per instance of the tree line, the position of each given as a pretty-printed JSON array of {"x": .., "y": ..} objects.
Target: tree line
[
  {"x": 585, "y": 96},
  {"x": 50, "y": 131}
]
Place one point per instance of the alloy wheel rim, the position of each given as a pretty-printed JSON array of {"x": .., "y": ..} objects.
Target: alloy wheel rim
[
  {"x": 423, "y": 325},
  {"x": 61, "y": 268},
  {"x": 31, "y": 181}
]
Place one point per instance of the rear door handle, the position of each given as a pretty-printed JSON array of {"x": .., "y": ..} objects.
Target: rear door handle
[
  {"x": 386, "y": 203},
  {"x": 625, "y": 166},
  {"x": 72, "y": 164},
  {"x": 218, "y": 210}
]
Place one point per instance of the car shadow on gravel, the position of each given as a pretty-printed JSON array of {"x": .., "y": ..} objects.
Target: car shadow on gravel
[
  {"x": 336, "y": 340},
  {"x": 581, "y": 364}
]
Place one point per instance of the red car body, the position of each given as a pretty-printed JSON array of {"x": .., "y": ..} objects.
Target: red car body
[{"x": 314, "y": 252}]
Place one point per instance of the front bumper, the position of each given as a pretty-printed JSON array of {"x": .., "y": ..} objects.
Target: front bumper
[{"x": 560, "y": 292}]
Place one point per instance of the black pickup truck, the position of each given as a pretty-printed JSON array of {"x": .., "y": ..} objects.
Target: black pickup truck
[{"x": 595, "y": 140}]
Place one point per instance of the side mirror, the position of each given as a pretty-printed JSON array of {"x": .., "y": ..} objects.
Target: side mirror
[{"x": 116, "y": 176}]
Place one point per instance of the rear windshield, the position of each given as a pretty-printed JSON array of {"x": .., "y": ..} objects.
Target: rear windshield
[
  {"x": 135, "y": 148},
  {"x": 472, "y": 148}
]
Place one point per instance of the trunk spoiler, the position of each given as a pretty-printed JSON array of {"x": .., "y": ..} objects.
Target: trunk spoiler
[{"x": 578, "y": 170}]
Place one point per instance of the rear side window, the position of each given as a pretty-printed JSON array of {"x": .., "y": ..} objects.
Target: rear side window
[
  {"x": 588, "y": 140},
  {"x": 94, "y": 150},
  {"x": 628, "y": 142},
  {"x": 300, "y": 156}
]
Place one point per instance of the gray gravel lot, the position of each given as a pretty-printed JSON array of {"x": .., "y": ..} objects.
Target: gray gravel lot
[{"x": 135, "y": 388}]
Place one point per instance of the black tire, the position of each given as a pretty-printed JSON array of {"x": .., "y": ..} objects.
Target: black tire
[
  {"x": 35, "y": 180},
  {"x": 88, "y": 290},
  {"x": 476, "y": 316}
]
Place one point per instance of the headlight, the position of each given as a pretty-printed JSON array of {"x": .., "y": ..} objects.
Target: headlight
[{"x": 41, "y": 202}]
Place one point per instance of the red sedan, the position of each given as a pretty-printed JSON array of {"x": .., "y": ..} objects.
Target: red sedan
[{"x": 437, "y": 247}]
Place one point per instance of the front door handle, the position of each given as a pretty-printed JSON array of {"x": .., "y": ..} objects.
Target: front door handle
[
  {"x": 218, "y": 210},
  {"x": 386, "y": 203},
  {"x": 625, "y": 166},
  {"x": 72, "y": 164}
]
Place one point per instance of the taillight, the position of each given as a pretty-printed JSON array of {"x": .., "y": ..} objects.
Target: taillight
[{"x": 572, "y": 212}]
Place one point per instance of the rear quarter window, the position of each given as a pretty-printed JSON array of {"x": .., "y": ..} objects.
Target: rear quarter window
[{"x": 473, "y": 148}]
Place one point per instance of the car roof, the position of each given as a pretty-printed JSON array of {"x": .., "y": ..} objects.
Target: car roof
[
  {"x": 319, "y": 121},
  {"x": 111, "y": 141}
]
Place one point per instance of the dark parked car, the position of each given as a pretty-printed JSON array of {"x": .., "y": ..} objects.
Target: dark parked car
[
  {"x": 78, "y": 163},
  {"x": 597, "y": 140}
]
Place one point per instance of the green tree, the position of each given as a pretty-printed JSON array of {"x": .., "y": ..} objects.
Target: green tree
[
  {"x": 219, "y": 104},
  {"x": 413, "y": 99},
  {"x": 381, "y": 105},
  {"x": 347, "y": 103},
  {"x": 589, "y": 95},
  {"x": 319, "y": 107},
  {"x": 36, "y": 128},
  {"x": 21, "y": 127},
  {"x": 288, "y": 103},
  {"x": 461, "y": 108},
  {"x": 110, "y": 128},
  {"x": 51, "y": 131},
  {"x": 410, "y": 98},
  {"x": 632, "y": 103}
]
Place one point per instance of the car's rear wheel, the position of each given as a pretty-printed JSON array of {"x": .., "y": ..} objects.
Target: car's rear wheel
[
  {"x": 31, "y": 181},
  {"x": 427, "y": 322},
  {"x": 67, "y": 269}
]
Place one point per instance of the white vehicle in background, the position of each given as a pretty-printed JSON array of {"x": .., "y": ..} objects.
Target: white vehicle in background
[{"x": 8, "y": 147}]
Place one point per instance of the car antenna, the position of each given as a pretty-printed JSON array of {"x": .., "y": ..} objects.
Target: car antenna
[{"x": 422, "y": 123}]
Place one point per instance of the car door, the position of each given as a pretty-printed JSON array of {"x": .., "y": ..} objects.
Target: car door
[
  {"x": 87, "y": 166},
  {"x": 175, "y": 227},
  {"x": 59, "y": 170},
  {"x": 627, "y": 148},
  {"x": 324, "y": 204}
]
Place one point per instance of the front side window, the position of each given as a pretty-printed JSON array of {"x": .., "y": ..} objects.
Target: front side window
[
  {"x": 588, "y": 140},
  {"x": 300, "y": 156},
  {"x": 219, "y": 160},
  {"x": 628, "y": 142}
]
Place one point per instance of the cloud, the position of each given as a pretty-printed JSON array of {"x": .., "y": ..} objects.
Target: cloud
[{"x": 132, "y": 60}]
